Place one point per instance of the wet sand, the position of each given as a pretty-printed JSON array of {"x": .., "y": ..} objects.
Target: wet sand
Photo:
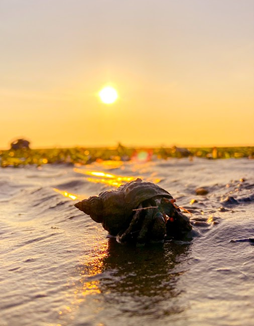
[{"x": 58, "y": 267}]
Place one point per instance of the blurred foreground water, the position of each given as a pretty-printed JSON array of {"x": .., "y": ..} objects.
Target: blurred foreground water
[{"x": 58, "y": 267}]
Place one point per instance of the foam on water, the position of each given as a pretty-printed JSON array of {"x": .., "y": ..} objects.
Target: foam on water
[{"x": 58, "y": 267}]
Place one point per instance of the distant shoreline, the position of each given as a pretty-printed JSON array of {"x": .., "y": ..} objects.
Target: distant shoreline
[{"x": 87, "y": 155}]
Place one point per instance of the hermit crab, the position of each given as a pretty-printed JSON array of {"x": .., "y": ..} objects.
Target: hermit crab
[{"x": 137, "y": 212}]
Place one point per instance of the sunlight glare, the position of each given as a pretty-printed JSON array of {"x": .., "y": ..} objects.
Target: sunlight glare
[
  {"x": 66, "y": 194},
  {"x": 108, "y": 95}
]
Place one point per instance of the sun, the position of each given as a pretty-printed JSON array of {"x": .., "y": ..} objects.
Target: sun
[{"x": 108, "y": 95}]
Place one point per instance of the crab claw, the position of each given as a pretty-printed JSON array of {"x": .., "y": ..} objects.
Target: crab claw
[{"x": 178, "y": 225}]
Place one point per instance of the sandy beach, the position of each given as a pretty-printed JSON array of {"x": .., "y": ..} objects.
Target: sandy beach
[{"x": 58, "y": 267}]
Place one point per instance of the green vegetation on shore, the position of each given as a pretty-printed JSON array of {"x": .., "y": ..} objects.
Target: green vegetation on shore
[{"x": 80, "y": 155}]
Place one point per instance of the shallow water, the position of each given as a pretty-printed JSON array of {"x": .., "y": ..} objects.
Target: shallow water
[{"x": 58, "y": 267}]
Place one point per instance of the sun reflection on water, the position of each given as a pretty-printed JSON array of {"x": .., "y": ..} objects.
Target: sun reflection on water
[
  {"x": 110, "y": 179},
  {"x": 91, "y": 270},
  {"x": 105, "y": 178},
  {"x": 67, "y": 194}
]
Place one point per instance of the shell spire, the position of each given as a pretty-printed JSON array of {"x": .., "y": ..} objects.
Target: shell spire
[{"x": 92, "y": 206}]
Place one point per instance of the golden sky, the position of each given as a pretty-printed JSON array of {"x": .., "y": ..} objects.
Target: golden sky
[{"x": 184, "y": 72}]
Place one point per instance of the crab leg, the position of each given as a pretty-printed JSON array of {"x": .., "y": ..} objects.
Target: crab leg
[
  {"x": 153, "y": 226},
  {"x": 143, "y": 208},
  {"x": 133, "y": 227},
  {"x": 148, "y": 219},
  {"x": 177, "y": 224}
]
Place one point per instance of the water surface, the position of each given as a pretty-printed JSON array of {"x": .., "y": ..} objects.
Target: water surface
[{"x": 58, "y": 267}]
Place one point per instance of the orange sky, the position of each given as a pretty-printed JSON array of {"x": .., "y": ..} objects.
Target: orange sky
[{"x": 184, "y": 71}]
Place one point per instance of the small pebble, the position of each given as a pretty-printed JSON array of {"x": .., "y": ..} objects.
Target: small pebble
[
  {"x": 201, "y": 191},
  {"x": 222, "y": 209},
  {"x": 230, "y": 201},
  {"x": 213, "y": 220}
]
